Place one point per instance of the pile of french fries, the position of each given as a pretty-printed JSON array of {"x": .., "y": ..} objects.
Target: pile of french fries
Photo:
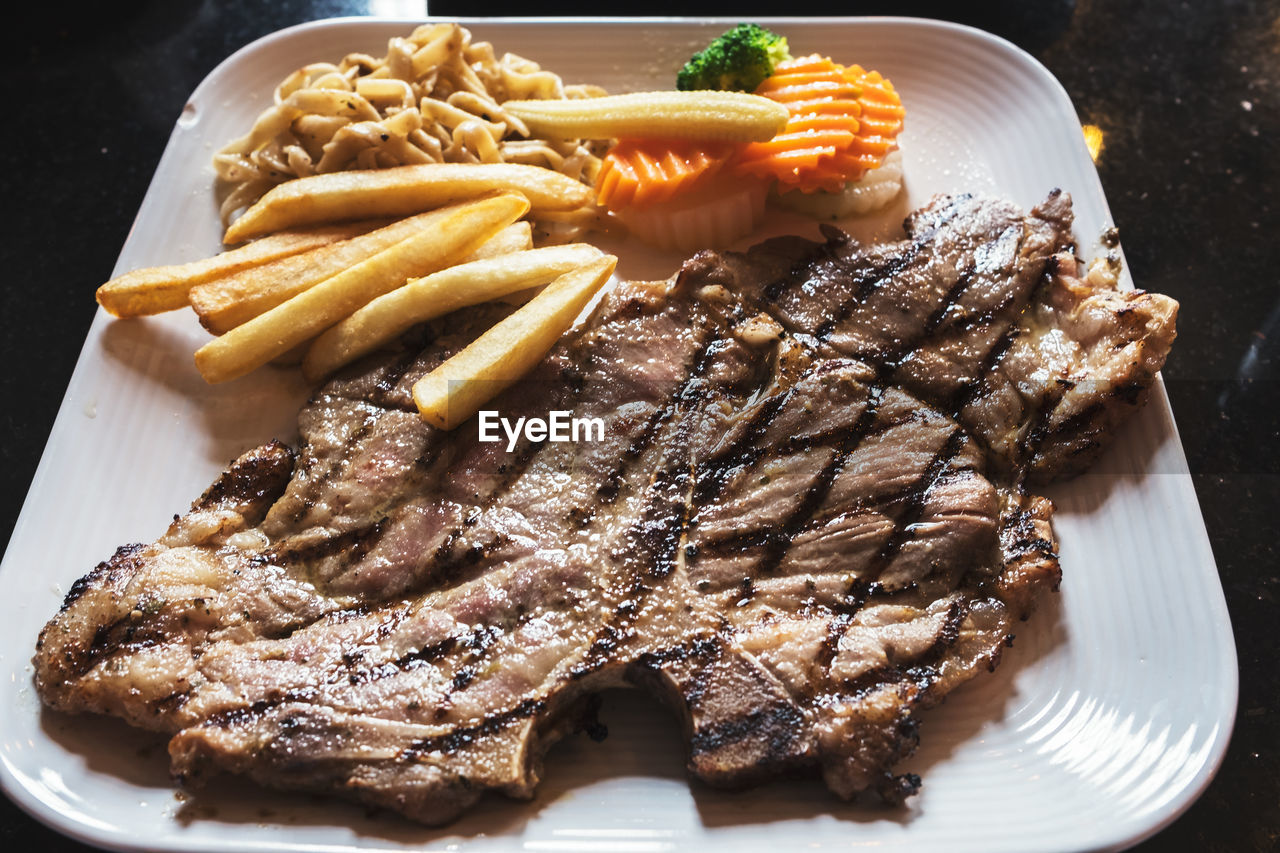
[{"x": 341, "y": 264}]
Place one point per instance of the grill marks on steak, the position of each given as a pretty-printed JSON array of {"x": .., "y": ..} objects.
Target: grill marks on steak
[{"x": 806, "y": 521}]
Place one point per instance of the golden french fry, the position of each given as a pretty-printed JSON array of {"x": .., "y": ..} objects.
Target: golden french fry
[
  {"x": 514, "y": 238},
  {"x": 400, "y": 191},
  {"x": 505, "y": 243},
  {"x": 437, "y": 294},
  {"x": 710, "y": 115},
  {"x": 456, "y": 390},
  {"x": 224, "y": 303},
  {"x": 448, "y": 235},
  {"x": 156, "y": 289}
]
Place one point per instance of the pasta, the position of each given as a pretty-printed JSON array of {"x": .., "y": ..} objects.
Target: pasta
[{"x": 435, "y": 97}]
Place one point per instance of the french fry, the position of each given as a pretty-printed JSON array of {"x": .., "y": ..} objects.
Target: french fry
[
  {"x": 400, "y": 191},
  {"x": 456, "y": 390},
  {"x": 506, "y": 242},
  {"x": 156, "y": 289},
  {"x": 448, "y": 235},
  {"x": 514, "y": 238},
  {"x": 224, "y": 303},
  {"x": 437, "y": 294}
]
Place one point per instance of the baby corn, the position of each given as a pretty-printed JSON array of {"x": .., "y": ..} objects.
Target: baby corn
[{"x": 709, "y": 115}]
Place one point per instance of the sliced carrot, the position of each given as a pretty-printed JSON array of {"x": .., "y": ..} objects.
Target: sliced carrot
[
  {"x": 812, "y": 86},
  {"x": 879, "y": 99},
  {"x": 642, "y": 172},
  {"x": 882, "y": 117},
  {"x": 836, "y": 140},
  {"x": 814, "y": 63},
  {"x": 844, "y": 122},
  {"x": 823, "y": 102},
  {"x": 802, "y": 160}
]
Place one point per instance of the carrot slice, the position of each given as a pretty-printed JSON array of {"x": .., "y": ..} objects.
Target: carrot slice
[
  {"x": 643, "y": 172},
  {"x": 881, "y": 105},
  {"x": 835, "y": 140},
  {"x": 823, "y": 102},
  {"x": 882, "y": 117},
  {"x": 844, "y": 122}
]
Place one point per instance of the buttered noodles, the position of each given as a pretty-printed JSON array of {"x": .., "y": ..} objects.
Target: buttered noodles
[{"x": 435, "y": 97}]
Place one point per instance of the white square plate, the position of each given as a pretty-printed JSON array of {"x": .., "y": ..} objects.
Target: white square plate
[{"x": 1103, "y": 723}]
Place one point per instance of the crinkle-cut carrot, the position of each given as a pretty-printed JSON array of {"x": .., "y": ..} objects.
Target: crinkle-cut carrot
[
  {"x": 810, "y": 86},
  {"x": 642, "y": 172},
  {"x": 823, "y": 102},
  {"x": 881, "y": 106},
  {"x": 882, "y": 117},
  {"x": 805, "y": 160},
  {"x": 814, "y": 63},
  {"x": 817, "y": 121},
  {"x": 825, "y": 98},
  {"x": 808, "y": 78},
  {"x": 835, "y": 140}
]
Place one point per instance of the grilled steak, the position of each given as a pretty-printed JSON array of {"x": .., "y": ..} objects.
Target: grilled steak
[{"x": 808, "y": 519}]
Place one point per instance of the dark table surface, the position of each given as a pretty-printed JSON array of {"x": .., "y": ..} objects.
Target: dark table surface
[{"x": 1189, "y": 96}]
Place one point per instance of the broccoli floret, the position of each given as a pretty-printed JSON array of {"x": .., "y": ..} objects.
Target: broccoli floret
[{"x": 739, "y": 61}]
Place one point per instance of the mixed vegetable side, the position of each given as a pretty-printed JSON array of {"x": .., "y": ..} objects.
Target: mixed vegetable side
[{"x": 841, "y": 126}]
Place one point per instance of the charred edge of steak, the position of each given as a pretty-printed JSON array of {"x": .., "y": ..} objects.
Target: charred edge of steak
[
  {"x": 78, "y": 657},
  {"x": 120, "y": 561},
  {"x": 1123, "y": 337},
  {"x": 1028, "y": 552},
  {"x": 895, "y": 790},
  {"x": 921, "y": 228},
  {"x": 756, "y": 741},
  {"x": 248, "y": 487},
  {"x": 252, "y": 482},
  {"x": 919, "y": 676},
  {"x": 777, "y": 726}
]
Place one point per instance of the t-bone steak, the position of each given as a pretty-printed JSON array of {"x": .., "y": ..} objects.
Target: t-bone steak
[{"x": 809, "y": 518}]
